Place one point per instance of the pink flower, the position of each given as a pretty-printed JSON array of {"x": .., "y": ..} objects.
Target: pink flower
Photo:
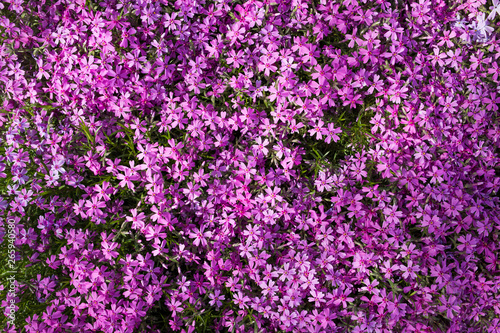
[
  {"x": 392, "y": 215},
  {"x": 342, "y": 297},
  {"x": 449, "y": 306},
  {"x": 410, "y": 270},
  {"x": 266, "y": 65},
  {"x": 192, "y": 191},
  {"x": 108, "y": 250},
  {"x": 467, "y": 243},
  {"x": 174, "y": 306},
  {"x": 155, "y": 233},
  {"x": 127, "y": 178},
  {"x": 200, "y": 236},
  {"x": 241, "y": 300},
  {"x": 216, "y": 298},
  {"x": 237, "y": 59},
  {"x": 453, "y": 208},
  {"x": 317, "y": 129},
  {"x": 260, "y": 146},
  {"x": 94, "y": 207},
  {"x": 331, "y": 133},
  {"x": 317, "y": 297},
  {"x": 136, "y": 219},
  {"x": 272, "y": 195}
]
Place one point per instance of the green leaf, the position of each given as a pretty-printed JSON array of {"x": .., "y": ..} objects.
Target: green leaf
[{"x": 86, "y": 131}]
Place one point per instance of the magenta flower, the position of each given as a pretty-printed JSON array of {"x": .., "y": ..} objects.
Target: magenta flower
[
  {"x": 94, "y": 207},
  {"x": 136, "y": 219},
  {"x": 174, "y": 306},
  {"x": 342, "y": 297},
  {"x": 317, "y": 297},
  {"x": 409, "y": 270},
  {"x": 200, "y": 236},
  {"x": 449, "y": 305},
  {"x": 216, "y": 298},
  {"x": 241, "y": 300},
  {"x": 127, "y": 178},
  {"x": 273, "y": 195}
]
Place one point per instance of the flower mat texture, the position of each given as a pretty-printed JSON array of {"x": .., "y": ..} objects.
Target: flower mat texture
[{"x": 249, "y": 166}]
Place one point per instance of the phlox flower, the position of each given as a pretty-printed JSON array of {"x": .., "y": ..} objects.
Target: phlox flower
[
  {"x": 192, "y": 191},
  {"x": 278, "y": 93},
  {"x": 317, "y": 297},
  {"x": 267, "y": 65},
  {"x": 216, "y": 298},
  {"x": 449, "y": 306},
  {"x": 136, "y": 219},
  {"x": 268, "y": 288},
  {"x": 237, "y": 59},
  {"x": 460, "y": 22},
  {"x": 241, "y": 300},
  {"x": 467, "y": 243},
  {"x": 481, "y": 28},
  {"x": 453, "y": 208},
  {"x": 127, "y": 178},
  {"x": 273, "y": 195},
  {"x": 155, "y": 232},
  {"x": 293, "y": 298},
  {"x": 108, "y": 250},
  {"x": 392, "y": 214},
  {"x": 322, "y": 183},
  {"x": 175, "y": 306},
  {"x": 396, "y": 307},
  {"x": 317, "y": 129},
  {"x": 409, "y": 270},
  {"x": 309, "y": 281},
  {"x": 331, "y": 133},
  {"x": 94, "y": 207},
  {"x": 260, "y": 146},
  {"x": 495, "y": 9},
  {"x": 200, "y": 236},
  {"x": 341, "y": 297},
  {"x": 52, "y": 178},
  {"x": 478, "y": 30}
]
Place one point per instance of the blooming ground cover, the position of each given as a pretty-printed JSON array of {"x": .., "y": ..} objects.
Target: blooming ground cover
[{"x": 258, "y": 166}]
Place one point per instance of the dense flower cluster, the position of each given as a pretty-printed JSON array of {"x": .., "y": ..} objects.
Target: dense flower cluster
[{"x": 276, "y": 165}]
